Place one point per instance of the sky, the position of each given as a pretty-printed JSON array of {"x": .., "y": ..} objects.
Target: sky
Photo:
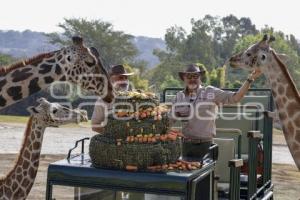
[{"x": 147, "y": 18}]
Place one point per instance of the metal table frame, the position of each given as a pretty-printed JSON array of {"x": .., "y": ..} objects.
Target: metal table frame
[{"x": 78, "y": 172}]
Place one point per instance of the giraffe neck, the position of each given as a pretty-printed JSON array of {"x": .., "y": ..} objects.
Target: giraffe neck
[
  {"x": 18, "y": 182},
  {"x": 287, "y": 101},
  {"x": 21, "y": 82}
]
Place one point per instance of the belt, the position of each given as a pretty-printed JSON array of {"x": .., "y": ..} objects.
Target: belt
[{"x": 196, "y": 141}]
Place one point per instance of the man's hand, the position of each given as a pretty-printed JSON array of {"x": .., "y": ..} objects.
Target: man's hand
[{"x": 243, "y": 90}]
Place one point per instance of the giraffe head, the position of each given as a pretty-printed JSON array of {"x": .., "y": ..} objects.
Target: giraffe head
[
  {"x": 82, "y": 66},
  {"x": 257, "y": 56},
  {"x": 54, "y": 114}
]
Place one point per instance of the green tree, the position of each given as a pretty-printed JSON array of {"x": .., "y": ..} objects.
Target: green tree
[
  {"x": 5, "y": 59},
  {"x": 115, "y": 47},
  {"x": 170, "y": 81},
  {"x": 221, "y": 77},
  {"x": 282, "y": 44},
  {"x": 211, "y": 41},
  {"x": 213, "y": 77},
  {"x": 136, "y": 81}
]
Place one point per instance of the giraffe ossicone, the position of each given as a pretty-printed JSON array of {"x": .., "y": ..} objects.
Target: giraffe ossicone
[
  {"x": 18, "y": 182},
  {"x": 261, "y": 56},
  {"x": 75, "y": 64}
]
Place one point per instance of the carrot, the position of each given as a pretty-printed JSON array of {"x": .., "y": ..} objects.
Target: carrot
[
  {"x": 140, "y": 140},
  {"x": 185, "y": 162},
  {"x": 131, "y": 168},
  {"x": 148, "y": 113},
  {"x": 163, "y": 138},
  {"x": 172, "y": 165},
  {"x": 143, "y": 115},
  {"x": 172, "y": 137},
  {"x": 152, "y": 168},
  {"x": 196, "y": 164},
  {"x": 164, "y": 167},
  {"x": 158, "y": 166},
  {"x": 144, "y": 139}
]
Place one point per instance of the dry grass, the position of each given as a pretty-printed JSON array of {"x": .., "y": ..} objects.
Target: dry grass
[
  {"x": 286, "y": 179},
  {"x": 23, "y": 120},
  {"x": 13, "y": 119},
  {"x": 278, "y": 137}
]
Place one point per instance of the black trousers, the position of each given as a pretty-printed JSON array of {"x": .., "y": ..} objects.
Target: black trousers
[{"x": 195, "y": 150}]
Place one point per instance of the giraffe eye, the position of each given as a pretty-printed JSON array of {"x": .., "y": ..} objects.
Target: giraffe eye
[
  {"x": 54, "y": 110},
  {"x": 248, "y": 54},
  {"x": 90, "y": 64}
]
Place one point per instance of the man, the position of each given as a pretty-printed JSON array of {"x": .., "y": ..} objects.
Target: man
[
  {"x": 198, "y": 106},
  {"x": 119, "y": 79}
]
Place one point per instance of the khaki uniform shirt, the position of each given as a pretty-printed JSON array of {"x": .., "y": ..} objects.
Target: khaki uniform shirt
[
  {"x": 202, "y": 109},
  {"x": 100, "y": 113}
]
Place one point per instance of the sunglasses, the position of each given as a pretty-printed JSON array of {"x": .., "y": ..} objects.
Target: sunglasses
[
  {"x": 192, "y": 76},
  {"x": 121, "y": 77}
]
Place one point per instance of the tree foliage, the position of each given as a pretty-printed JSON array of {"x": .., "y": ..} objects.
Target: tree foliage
[
  {"x": 5, "y": 59},
  {"x": 136, "y": 80},
  {"x": 283, "y": 44},
  {"x": 115, "y": 47},
  {"x": 211, "y": 41}
]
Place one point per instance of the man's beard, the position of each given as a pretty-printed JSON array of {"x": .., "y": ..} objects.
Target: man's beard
[
  {"x": 192, "y": 86},
  {"x": 121, "y": 85}
]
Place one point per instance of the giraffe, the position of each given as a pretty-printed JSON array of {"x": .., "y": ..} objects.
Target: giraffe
[
  {"x": 75, "y": 64},
  {"x": 18, "y": 182},
  {"x": 261, "y": 56}
]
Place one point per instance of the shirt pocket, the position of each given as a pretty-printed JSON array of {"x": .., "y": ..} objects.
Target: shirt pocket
[
  {"x": 205, "y": 110},
  {"x": 183, "y": 110}
]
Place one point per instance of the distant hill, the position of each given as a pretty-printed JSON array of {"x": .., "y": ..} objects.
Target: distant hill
[
  {"x": 24, "y": 44},
  {"x": 146, "y": 45},
  {"x": 29, "y": 43}
]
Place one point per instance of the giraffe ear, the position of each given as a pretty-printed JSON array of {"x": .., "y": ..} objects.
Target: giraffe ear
[
  {"x": 94, "y": 51},
  {"x": 32, "y": 110},
  {"x": 271, "y": 39},
  {"x": 283, "y": 57}
]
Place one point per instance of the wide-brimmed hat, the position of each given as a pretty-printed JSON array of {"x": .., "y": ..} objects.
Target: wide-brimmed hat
[
  {"x": 191, "y": 69},
  {"x": 119, "y": 70}
]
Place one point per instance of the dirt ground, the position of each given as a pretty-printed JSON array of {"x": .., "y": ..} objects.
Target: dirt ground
[{"x": 286, "y": 177}]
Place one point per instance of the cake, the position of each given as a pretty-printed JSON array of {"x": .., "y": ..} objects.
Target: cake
[{"x": 137, "y": 136}]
